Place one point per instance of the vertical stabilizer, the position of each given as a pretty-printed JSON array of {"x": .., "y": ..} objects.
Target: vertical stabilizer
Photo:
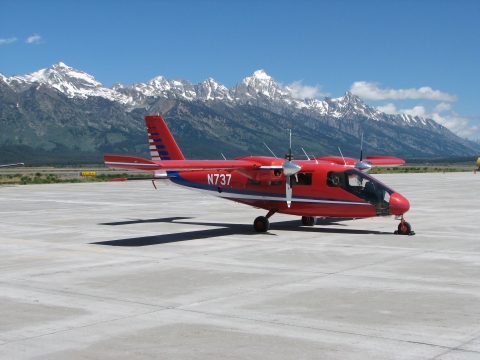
[{"x": 162, "y": 144}]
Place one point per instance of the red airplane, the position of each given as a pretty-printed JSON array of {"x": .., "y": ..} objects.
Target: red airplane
[{"x": 317, "y": 187}]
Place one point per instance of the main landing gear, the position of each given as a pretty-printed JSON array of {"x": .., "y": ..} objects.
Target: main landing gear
[
  {"x": 309, "y": 220},
  {"x": 404, "y": 228},
  {"x": 261, "y": 223}
]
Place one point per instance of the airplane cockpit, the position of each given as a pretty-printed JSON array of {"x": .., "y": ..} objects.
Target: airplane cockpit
[{"x": 363, "y": 186}]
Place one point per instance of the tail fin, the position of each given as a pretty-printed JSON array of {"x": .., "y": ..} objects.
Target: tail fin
[{"x": 162, "y": 144}]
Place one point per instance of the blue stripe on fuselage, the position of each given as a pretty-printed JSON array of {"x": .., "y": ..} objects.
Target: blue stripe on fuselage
[{"x": 179, "y": 180}]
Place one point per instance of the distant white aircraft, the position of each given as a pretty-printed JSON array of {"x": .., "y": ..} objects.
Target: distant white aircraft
[{"x": 10, "y": 165}]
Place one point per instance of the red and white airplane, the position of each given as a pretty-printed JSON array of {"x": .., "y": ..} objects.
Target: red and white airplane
[{"x": 311, "y": 188}]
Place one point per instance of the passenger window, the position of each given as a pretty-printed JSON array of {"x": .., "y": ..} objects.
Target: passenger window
[
  {"x": 277, "y": 182},
  {"x": 302, "y": 179}
]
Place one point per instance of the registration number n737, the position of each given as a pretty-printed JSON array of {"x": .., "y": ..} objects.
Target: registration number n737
[{"x": 219, "y": 179}]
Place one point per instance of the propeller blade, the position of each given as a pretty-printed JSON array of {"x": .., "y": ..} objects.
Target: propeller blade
[
  {"x": 360, "y": 164},
  {"x": 289, "y": 191},
  {"x": 290, "y": 169}
]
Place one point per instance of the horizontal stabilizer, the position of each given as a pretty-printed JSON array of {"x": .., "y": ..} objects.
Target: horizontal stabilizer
[
  {"x": 140, "y": 179},
  {"x": 136, "y": 163},
  {"x": 130, "y": 163}
]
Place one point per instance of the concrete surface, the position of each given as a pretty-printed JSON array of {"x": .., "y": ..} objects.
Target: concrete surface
[{"x": 120, "y": 270}]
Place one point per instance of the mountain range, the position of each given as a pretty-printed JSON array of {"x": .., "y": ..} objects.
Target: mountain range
[{"x": 63, "y": 113}]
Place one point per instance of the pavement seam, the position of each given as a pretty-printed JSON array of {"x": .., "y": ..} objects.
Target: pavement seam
[
  {"x": 457, "y": 348},
  {"x": 328, "y": 330},
  {"x": 79, "y": 327}
]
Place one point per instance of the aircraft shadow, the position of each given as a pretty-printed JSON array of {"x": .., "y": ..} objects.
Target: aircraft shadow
[
  {"x": 141, "y": 221},
  {"x": 224, "y": 229}
]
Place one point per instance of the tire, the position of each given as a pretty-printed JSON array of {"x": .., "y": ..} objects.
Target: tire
[
  {"x": 405, "y": 229},
  {"x": 309, "y": 220},
  {"x": 261, "y": 224}
]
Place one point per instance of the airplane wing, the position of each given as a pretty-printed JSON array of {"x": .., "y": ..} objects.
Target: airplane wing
[
  {"x": 384, "y": 161},
  {"x": 137, "y": 163},
  {"x": 372, "y": 160},
  {"x": 338, "y": 160}
]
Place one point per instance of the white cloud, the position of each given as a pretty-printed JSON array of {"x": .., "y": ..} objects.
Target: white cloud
[
  {"x": 371, "y": 91},
  {"x": 8, "y": 41},
  {"x": 388, "y": 109},
  {"x": 302, "y": 92},
  {"x": 443, "y": 114},
  {"x": 35, "y": 39}
]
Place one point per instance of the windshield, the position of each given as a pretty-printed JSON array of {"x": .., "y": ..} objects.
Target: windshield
[{"x": 363, "y": 186}]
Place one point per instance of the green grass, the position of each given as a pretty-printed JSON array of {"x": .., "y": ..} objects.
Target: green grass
[
  {"x": 49, "y": 178},
  {"x": 421, "y": 169}
]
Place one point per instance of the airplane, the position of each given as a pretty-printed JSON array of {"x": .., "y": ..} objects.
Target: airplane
[
  {"x": 316, "y": 187},
  {"x": 11, "y": 165},
  {"x": 478, "y": 164}
]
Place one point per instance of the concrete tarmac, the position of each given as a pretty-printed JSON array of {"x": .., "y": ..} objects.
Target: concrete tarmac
[{"x": 124, "y": 271}]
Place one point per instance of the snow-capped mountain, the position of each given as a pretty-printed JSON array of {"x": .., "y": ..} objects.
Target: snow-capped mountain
[
  {"x": 259, "y": 89},
  {"x": 67, "y": 80}
]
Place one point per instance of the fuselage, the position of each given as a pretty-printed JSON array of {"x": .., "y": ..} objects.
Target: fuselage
[{"x": 319, "y": 189}]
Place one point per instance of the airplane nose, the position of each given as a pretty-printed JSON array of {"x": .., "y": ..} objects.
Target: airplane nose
[{"x": 398, "y": 204}]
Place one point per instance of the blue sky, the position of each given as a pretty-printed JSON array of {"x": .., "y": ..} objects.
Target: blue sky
[{"x": 416, "y": 57}]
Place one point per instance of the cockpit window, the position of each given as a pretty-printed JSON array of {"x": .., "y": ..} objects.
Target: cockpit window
[{"x": 362, "y": 186}]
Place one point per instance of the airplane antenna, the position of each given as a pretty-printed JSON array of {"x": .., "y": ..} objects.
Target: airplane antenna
[
  {"x": 270, "y": 150},
  {"x": 308, "y": 157},
  {"x": 361, "y": 149},
  {"x": 342, "y": 157},
  {"x": 224, "y": 158}
]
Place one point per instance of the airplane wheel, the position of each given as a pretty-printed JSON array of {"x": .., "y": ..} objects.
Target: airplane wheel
[
  {"x": 261, "y": 224},
  {"x": 404, "y": 229},
  {"x": 309, "y": 220}
]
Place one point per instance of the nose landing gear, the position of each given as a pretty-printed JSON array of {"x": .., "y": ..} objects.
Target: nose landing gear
[{"x": 404, "y": 228}]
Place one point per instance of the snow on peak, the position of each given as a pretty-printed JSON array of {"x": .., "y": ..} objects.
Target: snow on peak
[
  {"x": 158, "y": 82},
  {"x": 210, "y": 89},
  {"x": 118, "y": 85},
  {"x": 66, "y": 80},
  {"x": 61, "y": 65},
  {"x": 258, "y": 77},
  {"x": 261, "y": 74}
]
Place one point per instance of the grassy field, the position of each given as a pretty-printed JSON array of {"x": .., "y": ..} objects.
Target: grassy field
[
  {"x": 422, "y": 169},
  {"x": 54, "y": 178}
]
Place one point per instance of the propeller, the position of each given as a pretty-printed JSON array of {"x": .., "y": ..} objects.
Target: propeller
[
  {"x": 360, "y": 165},
  {"x": 289, "y": 168}
]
